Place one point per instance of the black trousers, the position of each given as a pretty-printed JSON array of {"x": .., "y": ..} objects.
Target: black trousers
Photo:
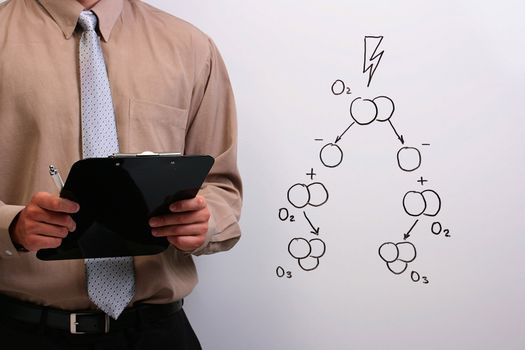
[{"x": 172, "y": 332}]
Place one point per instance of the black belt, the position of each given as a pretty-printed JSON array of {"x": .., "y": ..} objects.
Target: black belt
[{"x": 89, "y": 322}]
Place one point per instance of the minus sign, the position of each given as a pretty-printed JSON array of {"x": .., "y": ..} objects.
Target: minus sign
[
  {"x": 425, "y": 144},
  {"x": 319, "y": 139}
]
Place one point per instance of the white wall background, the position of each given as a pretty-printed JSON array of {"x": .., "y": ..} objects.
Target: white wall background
[{"x": 455, "y": 70}]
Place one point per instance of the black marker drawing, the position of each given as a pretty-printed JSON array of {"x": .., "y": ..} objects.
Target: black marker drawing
[
  {"x": 339, "y": 87},
  {"x": 407, "y": 235},
  {"x": 299, "y": 248},
  {"x": 363, "y": 111},
  {"x": 284, "y": 215},
  {"x": 427, "y": 203},
  {"x": 339, "y": 137},
  {"x": 307, "y": 252},
  {"x": 312, "y": 174},
  {"x": 433, "y": 203},
  {"x": 371, "y": 61},
  {"x": 397, "y": 256},
  {"x": 418, "y": 203},
  {"x": 315, "y": 230},
  {"x": 422, "y": 181},
  {"x": 399, "y": 137},
  {"x": 385, "y": 108},
  {"x": 437, "y": 229},
  {"x": 300, "y": 195},
  {"x": 331, "y": 155},
  {"x": 409, "y": 159}
]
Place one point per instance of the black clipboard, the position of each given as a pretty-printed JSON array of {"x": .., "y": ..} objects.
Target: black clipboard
[{"x": 117, "y": 197}]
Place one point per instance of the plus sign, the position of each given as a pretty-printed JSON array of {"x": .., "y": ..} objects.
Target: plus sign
[
  {"x": 311, "y": 174},
  {"x": 422, "y": 181}
]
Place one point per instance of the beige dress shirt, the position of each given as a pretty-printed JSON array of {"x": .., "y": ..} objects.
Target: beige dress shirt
[{"x": 171, "y": 93}]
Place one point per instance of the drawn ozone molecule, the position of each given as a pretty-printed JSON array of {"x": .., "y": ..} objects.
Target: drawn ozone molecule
[
  {"x": 307, "y": 252},
  {"x": 300, "y": 195},
  {"x": 397, "y": 256},
  {"x": 426, "y": 203}
]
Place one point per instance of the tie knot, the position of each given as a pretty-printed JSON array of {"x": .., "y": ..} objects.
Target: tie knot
[{"x": 87, "y": 20}]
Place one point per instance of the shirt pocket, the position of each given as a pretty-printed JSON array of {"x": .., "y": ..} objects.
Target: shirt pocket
[{"x": 156, "y": 127}]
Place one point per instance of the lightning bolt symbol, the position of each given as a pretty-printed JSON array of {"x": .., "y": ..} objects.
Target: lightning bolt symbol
[{"x": 372, "y": 60}]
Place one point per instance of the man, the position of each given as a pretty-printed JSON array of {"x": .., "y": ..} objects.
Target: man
[{"x": 170, "y": 93}]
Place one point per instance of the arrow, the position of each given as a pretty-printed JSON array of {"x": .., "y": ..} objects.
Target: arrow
[
  {"x": 315, "y": 230},
  {"x": 339, "y": 137},
  {"x": 400, "y": 137},
  {"x": 407, "y": 235}
]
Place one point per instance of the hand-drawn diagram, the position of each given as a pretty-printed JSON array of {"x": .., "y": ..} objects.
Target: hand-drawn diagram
[
  {"x": 397, "y": 255},
  {"x": 307, "y": 252},
  {"x": 364, "y": 111}
]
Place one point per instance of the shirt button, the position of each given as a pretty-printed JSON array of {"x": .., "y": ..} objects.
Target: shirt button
[{"x": 8, "y": 252}]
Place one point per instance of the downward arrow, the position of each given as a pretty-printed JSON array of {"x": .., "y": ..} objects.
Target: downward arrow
[
  {"x": 407, "y": 235},
  {"x": 339, "y": 137},
  {"x": 315, "y": 230},
  {"x": 399, "y": 137}
]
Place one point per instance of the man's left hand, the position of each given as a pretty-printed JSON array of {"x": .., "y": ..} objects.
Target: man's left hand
[{"x": 186, "y": 226}]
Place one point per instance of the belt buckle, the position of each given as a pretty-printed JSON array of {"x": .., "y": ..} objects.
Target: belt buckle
[{"x": 73, "y": 323}]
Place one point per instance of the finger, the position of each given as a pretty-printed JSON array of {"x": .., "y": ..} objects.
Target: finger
[
  {"x": 54, "y": 203},
  {"x": 192, "y": 204},
  {"x": 183, "y": 218},
  {"x": 181, "y": 230},
  {"x": 38, "y": 214},
  {"x": 186, "y": 243},
  {"x": 37, "y": 242},
  {"x": 42, "y": 229}
]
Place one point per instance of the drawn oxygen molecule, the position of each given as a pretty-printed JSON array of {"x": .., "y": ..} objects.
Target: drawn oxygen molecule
[
  {"x": 365, "y": 111},
  {"x": 300, "y": 195},
  {"x": 426, "y": 203}
]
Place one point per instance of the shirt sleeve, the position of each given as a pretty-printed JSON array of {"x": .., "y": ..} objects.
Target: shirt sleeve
[
  {"x": 212, "y": 129},
  {"x": 7, "y": 214}
]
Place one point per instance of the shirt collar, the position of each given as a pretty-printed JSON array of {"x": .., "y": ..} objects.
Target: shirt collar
[{"x": 65, "y": 14}]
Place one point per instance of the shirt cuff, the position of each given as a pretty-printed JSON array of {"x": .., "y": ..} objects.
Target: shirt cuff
[
  {"x": 222, "y": 235},
  {"x": 7, "y": 214}
]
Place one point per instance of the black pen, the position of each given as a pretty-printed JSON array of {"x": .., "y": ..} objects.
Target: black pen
[{"x": 56, "y": 177}]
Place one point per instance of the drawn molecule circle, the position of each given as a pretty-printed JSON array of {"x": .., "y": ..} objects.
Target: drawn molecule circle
[
  {"x": 365, "y": 111},
  {"x": 299, "y": 248},
  {"x": 389, "y": 252},
  {"x": 409, "y": 159},
  {"x": 309, "y": 263},
  {"x": 397, "y": 256},
  {"x": 426, "y": 203},
  {"x": 307, "y": 252},
  {"x": 300, "y": 195},
  {"x": 331, "y": 155},
  {"x": 385, "y": 108},
  {"x": 414, "y": 203}
]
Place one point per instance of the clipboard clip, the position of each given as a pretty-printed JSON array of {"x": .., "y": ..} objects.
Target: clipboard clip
[{"x": 145, "y": 154}]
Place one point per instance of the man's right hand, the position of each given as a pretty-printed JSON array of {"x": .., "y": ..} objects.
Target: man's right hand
[{"x": 44, "y": 222}]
